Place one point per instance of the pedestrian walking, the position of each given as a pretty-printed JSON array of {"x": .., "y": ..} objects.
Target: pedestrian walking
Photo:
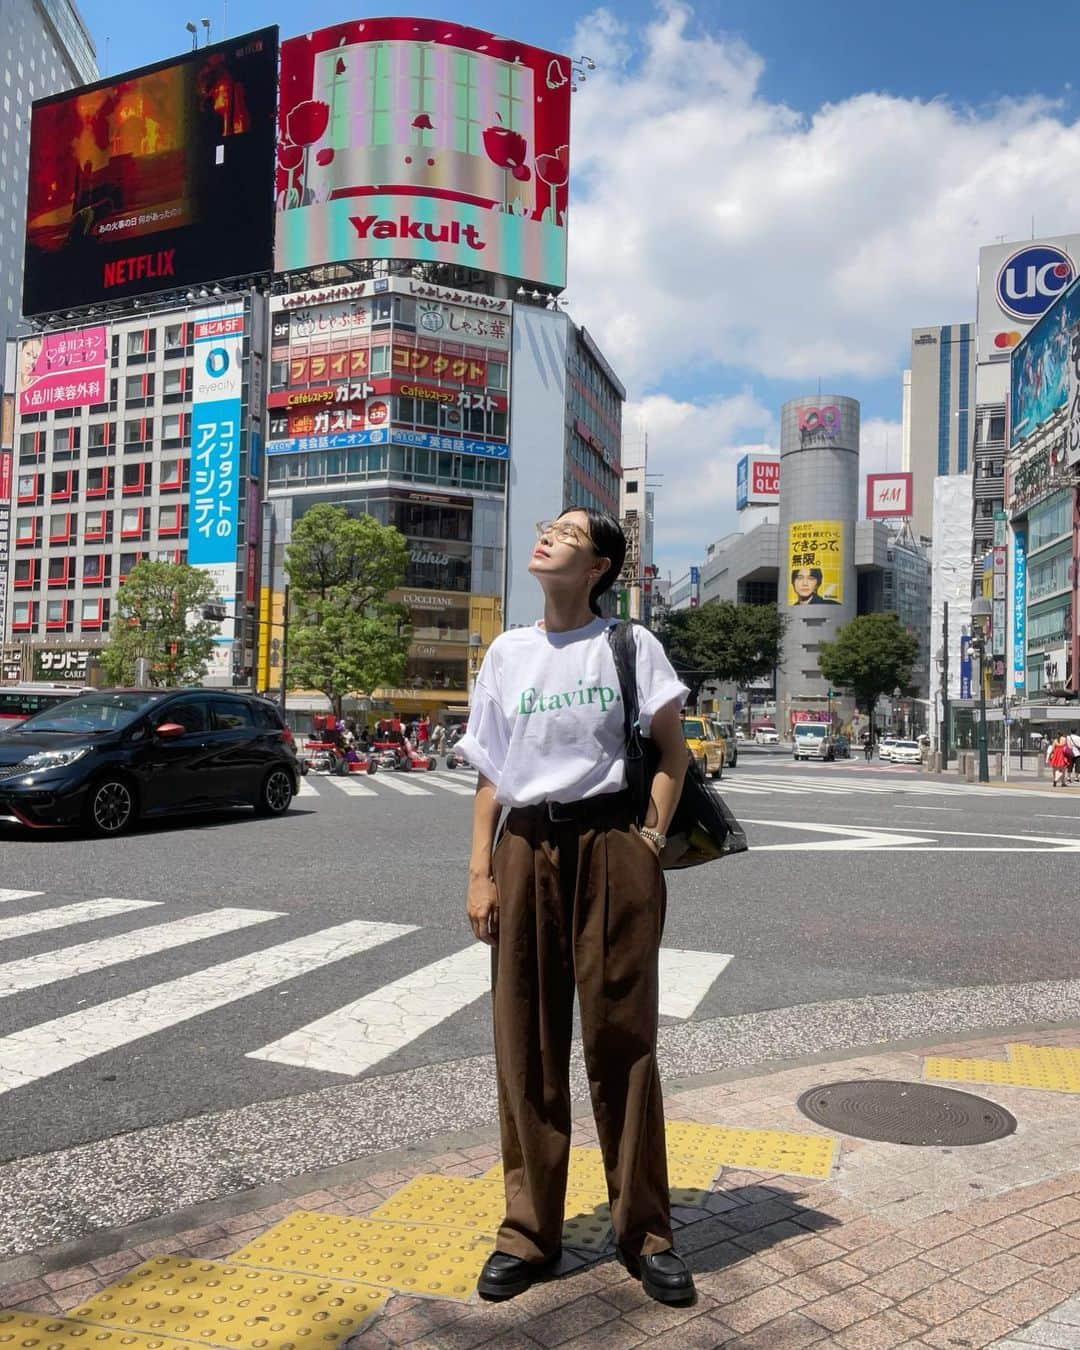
[
  {"x": 438, "y": 736},
  {"x": 1058, "y": 758},
  {"x": 1072, "y": 740},
  {"x": 573, "y": 892}
]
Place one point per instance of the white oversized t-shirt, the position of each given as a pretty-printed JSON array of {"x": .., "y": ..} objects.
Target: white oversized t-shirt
[{"x": 546, "y": 722}]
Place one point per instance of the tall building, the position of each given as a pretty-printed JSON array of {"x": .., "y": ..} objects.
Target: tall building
[
  {"x": 45, "y": 47},
  {"x": 937, "y": 411}
]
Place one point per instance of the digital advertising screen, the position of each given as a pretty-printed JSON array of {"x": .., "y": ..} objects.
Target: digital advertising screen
[
  {"x": 1039, "y": 375},
  {"x": 156, "y": 179},
  {"x": 419, "y": 138},
  {"x": 816, "y": 556}
]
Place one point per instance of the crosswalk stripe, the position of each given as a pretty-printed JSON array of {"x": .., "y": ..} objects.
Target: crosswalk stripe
[
  {"x": 45, "y": 920},
  {"x": 36, "y": 1052},
  {"x": 47, "y": 967},
  {"x": 353, "y": 789},
  {"x": 6, "y": 894},
  {"x": 400, "y": 784},
  {"x": 686, "y": 977},
  {"x": 450, "y": 785},
  {"x": 362, "y": 1033},
  {"x": 306, "y": 789}
]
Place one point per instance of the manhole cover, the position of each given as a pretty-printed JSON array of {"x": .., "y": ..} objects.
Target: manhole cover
[{"x": 906, "y": 1113}]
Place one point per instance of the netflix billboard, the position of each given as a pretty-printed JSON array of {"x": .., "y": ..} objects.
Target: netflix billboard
[
  {"x": 888, "y": 496},
  {"x": 153, "y": 180},
  {"x": 421, "y": 138}
]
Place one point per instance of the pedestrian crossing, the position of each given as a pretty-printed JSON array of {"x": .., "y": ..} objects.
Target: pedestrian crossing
[
  {"x": 831, "y": 785},
  {"x": 350, "y": 1040},
  {"x": 391, "y": 785}
]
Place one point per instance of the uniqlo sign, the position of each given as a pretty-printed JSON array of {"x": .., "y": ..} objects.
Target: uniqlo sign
[
  {"x": 757, "y": 481},
  {"x": 888, "y": 496}
]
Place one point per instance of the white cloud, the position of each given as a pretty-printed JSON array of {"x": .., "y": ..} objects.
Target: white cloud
[
  {"x": 696, "y": 446},
  {"x": 710, "y": 224}
]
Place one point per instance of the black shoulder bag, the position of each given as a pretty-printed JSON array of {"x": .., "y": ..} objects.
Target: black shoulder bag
[{"x": 703, "y": 827}]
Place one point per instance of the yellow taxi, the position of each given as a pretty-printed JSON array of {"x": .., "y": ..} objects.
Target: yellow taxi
[{"x": 705, "y": 744}]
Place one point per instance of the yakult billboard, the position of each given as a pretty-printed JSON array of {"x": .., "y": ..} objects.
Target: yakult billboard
[
  {"x": 757, "y": 481},
  {"x": 419, "y": 138}
]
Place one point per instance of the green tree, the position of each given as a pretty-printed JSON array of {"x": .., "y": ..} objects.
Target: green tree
[
  {"x": 723, "y": 641},
  {"x": 345, "y": 637},
  {"x": 158, "y": 617},
  {"x": 872, "y": 655},
  {"x": 343, "y": 651},
  {"x": 353, "y": 557}
]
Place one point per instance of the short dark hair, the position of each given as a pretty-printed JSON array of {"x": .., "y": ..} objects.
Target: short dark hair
[
  {"x": 608, "y": 540},
  {"x": 815, "y": 572}
]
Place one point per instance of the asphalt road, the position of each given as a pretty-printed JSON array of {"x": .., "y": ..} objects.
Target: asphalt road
[{"x": 172, "y": 988}]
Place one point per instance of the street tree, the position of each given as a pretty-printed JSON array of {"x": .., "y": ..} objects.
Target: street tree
[
  {"x": 345, "y": 637},
  {"x": 341, "y": 650},
  {"x": 723, "y": 641},
  {"x": 353, "y": 557},
  {"x": 157, "y": 617},
  {"x": 871, "y": 655}
]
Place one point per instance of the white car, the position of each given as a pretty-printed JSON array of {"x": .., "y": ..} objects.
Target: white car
[
  {"x": 766, "y": 736},
  {"x": 884, "y": 747},
  {"x": 905, "y": 752}
]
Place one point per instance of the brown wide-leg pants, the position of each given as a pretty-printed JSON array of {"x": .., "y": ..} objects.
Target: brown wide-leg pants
[{"x": 580, "y": 901}]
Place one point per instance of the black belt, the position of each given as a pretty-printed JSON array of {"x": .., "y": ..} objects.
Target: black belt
[{"x": 587, "y": 808}]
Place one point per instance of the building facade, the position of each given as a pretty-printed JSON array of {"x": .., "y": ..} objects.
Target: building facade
[
  {"x": 937, "y": 412},
  {"x": 45, "y": 47},
  {"x": 112, "y": 468}
]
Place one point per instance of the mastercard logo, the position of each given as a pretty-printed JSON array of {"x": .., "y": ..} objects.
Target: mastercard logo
[{"x": 1003, "y": 341}]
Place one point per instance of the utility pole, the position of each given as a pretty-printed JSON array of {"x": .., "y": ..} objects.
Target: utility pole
[
  {"x": 284, "y": 650},
  {"x": 945, "y": 687}
]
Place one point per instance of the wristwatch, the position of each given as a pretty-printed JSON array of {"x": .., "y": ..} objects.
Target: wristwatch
[{"x": 654, "y": 837}]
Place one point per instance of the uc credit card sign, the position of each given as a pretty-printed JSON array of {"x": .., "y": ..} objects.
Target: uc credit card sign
[{"x": 215, "y": 438}]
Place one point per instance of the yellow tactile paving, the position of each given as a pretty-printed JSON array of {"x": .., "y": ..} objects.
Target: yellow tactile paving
[
  {"x": 479, "y": 1203},
  {"x": 229, "y": 1305},
  {"x": 804, "y": 1155},
  {"x": 413, "y": 1258},
  {"x": 688, "y": 1177},
  {"x": 35, "y": 1331},
  {"x": 1049, "y": 1068}
]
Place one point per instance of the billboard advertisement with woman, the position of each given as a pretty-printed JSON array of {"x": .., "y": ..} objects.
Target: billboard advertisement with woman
[{"x": 815, "y": 556}]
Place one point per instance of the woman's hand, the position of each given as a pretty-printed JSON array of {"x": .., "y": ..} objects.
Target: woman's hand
[{"x": 482, "y": 907}]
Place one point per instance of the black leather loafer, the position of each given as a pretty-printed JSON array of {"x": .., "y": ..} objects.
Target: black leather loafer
[
  {"x": 664, "y": 1277},
  {"x": 506, "y": 1276}
]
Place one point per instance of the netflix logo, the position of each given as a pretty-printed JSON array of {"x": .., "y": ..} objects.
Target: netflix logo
[{"x": 139, "y": 267}]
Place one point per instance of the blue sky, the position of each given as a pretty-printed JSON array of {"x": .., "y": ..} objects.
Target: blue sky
[{"x": 841, "y": 164}]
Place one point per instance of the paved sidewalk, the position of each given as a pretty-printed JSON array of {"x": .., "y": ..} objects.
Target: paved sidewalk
[{"x": 888, "y": 1245}]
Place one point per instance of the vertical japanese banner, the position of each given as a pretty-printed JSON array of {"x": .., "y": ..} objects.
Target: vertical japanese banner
[
  {"x": 213, "y": 533},
  {"x": 965, "y": 666},
  {"x": 6, "y": 458},
  {"x": 1019, "y": 613}
]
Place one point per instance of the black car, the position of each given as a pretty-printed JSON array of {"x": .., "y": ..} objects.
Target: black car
[{"x": 107, "y": 758}]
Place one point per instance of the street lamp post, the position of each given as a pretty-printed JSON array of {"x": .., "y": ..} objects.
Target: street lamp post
[{"x": 980, "y": 609}]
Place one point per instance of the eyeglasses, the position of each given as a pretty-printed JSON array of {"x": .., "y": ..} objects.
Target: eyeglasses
[{"x": 562, "y": 531}]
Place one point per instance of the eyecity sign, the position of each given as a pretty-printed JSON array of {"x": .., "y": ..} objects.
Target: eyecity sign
[{"x": 1031, "y": 279}]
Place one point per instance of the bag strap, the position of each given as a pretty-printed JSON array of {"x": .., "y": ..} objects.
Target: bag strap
[{"x": 624, "y": 650}]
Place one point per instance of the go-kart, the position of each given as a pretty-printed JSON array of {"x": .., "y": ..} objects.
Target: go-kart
[
  {"x": 390, "y": 750},
  {"x": 328, "y": 757}
]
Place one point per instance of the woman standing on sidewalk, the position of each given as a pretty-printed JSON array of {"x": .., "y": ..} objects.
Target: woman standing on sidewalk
[
  {"x": 573, "y": 894},
  {"x": 1058, "y": 759}
]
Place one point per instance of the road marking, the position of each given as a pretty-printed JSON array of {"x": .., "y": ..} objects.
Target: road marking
[
  {"x": 852, "y": 837},
  {"x": 686, "y": 977},
  {"x": 44, "y": 920},
  {"x": 306, "y": 789},
  {"x": 352, "y": 789},
  {"x": 5, "y": 894},
  {"x": 900, "y": 840},
  {"x": 926, "y": 808},
  {"x": 49, "y": 1047},
  {"x": 47, "y": 967},
  {"x": 450, "y": 785},
  {"x": 362, "y": 1033},
  {"x": 398, "y": 784}
]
